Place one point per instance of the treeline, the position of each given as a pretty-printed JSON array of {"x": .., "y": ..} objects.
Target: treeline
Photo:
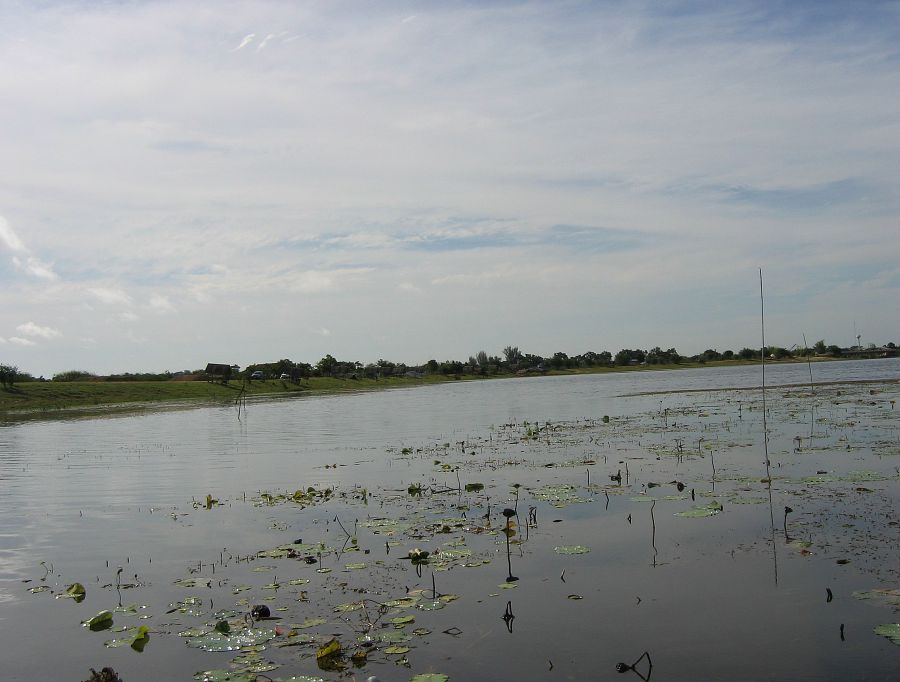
[
  {"x": 514, "y": 361},
  {"x": 511, "y": 361}
]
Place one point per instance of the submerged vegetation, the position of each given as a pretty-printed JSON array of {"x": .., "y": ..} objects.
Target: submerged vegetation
[{"x": 521, "y": 526}]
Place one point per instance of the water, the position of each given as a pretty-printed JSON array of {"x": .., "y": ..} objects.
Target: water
[{"x": 700, "y": 594}]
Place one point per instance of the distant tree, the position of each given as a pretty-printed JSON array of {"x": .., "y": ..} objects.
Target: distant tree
[
  {"x": 452, "y": 367},
  {"x": 559, "y": 360},
  {"x": 820, "y": 347},
  {"x": 626, "y": 356},
  {"x": 513, "y": 355},
  {"x": 326, "y": 366},
  {"x": 834, "y": 350},
  {"x": 79, "y": 375},
  {"x": 432, "y": 366},
  {"x": 481, "y": 358},
  {"x": 748, "y": 354},
  {"x": 710, "y": 354},
  {"x": 728, "y": 355},
  {"x": 531, "y": 360},
  {"x": 8, "y": 375}
]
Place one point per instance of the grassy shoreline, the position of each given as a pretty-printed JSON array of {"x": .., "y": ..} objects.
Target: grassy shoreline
[{"x": 53, "y": 399}]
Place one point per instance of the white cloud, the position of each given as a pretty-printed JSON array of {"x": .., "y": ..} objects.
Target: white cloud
[
  {"x": 246, "y": 41},
  {"x": 9, "y": 238},
  {"x": 194, "y": 159},
  {"x": 32, "y": 329},
  {"x": 323, "y": 332},
  {"x": 35, "y": 267},
  {"x": 27, "y": 263},
  {"x": 161, "y": 304},
  {"x": 129, "y": 316},
  {"x": 20, "y": 341},
  {"x": 110, "y": 296}
]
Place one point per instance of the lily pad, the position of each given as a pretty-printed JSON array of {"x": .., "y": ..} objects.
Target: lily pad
[
  {"x": 710, "y": 509},
  {"x": 890, "y": 630},
  {"x": 430, "y": 677},
  {"x": 889, "y": 596},
  {"x": 74, "y": 591},
  {"x": 220, "y": 641},
  {"x": 396, "y": 650},
  {"x": 309, "y": 623},
  {"x": 224, "y": 676},
  {"x": 101, "y": 621},
  {"x": 571, "y": 549}
]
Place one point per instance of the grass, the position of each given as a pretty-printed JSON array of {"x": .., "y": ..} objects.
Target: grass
[{"x": 36, "y": 399}]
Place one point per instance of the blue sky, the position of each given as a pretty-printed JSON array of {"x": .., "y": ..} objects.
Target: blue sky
[{"x": 184, "y": 182}]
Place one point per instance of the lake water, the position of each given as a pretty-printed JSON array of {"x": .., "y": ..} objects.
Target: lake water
[{"x": 740, "y": 594}]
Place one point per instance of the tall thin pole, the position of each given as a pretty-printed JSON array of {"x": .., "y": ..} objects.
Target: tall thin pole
[{"x": 762, "y": 357}]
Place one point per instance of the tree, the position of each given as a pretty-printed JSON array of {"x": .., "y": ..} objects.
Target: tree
[
  {"x": 481, "y": 358},
  {"x": 8, "y": 375},
  {"x": 326, "y": 365},
  {"x": 626, "y": 356},
  {"x": 559, "y": 360},
  {"x": 820, "y": 347},
  {"x": 513, "y": 355}
]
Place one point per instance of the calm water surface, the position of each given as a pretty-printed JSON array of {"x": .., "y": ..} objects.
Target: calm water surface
[{"x": 709, "y": 598}]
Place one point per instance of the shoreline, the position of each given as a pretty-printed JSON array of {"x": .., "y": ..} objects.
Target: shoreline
[{"x": 90, "y": 399}]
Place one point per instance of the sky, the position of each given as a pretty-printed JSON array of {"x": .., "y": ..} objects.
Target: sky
[{"x": 210, "y": 181}]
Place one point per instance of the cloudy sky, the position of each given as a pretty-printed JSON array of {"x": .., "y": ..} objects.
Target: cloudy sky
[{"x": 185, "y": 182}]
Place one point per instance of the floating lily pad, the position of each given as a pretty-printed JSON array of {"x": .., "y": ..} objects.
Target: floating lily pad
[
  {"x": 350, "y": 606},
  {"x": 189, "y": 582},
  {"x": 309, "y": 623},
  {"x": 74, "y": 591},
  {"x": 224, "y": 676},
  {"x": 101, "y": 621},
  {"x": 403, "y": 620},
  {"x": 571, "y": 549},
  {"x": 889, "y": 596},
  {"x": 430, "y": 677},
  {"x": 396, "y": 649},
  {"x": 133, "y": 637},
  {"x": 221, "y": 641},
  {"x": 710, "y": 509},
  {"x": 890, "y": 630}
]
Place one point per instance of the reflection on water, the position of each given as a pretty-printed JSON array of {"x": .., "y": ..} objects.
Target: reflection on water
[{"x": 90, "y": 496}]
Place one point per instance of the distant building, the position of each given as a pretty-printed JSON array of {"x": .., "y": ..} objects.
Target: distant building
[{"x": 218, "y": 372}]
